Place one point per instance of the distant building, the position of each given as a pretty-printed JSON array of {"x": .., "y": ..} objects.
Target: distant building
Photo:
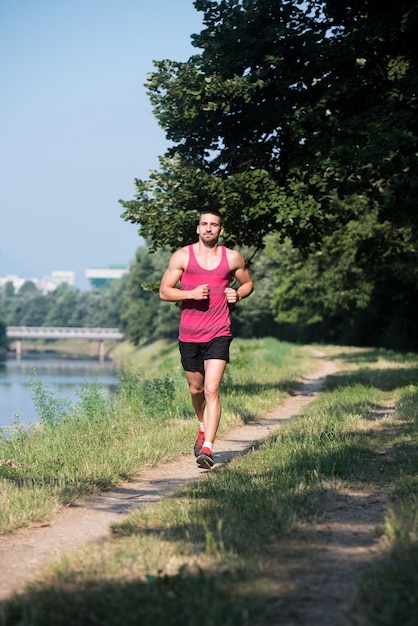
[
  {"x": 100, "y": 277},
  {"x": 16, "y": 281},
  {"x": 46, "y": 285},
  {"x": 57, "y": 277}
]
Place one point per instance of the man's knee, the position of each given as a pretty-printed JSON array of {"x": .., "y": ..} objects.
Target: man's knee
[
  {"x": 196, "y": 389},
  {"x": 211, "y": 391}
]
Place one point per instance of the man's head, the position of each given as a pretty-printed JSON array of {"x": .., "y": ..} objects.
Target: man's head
[
  {"x": 209, "y": 227},
  {"x": 211, "y": 212}
]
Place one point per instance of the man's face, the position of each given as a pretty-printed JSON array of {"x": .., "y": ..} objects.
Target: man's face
[{"x": 209, "y": 228}]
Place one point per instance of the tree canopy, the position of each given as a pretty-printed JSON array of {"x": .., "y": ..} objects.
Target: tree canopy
[
  {"x": 298, "y": 119},
  {"x": 288, "y": 105}
]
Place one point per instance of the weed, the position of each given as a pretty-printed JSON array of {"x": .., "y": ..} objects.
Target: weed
[
  {"x": 158, "y": 395},
  {"x": 93, "y": 402},
  {"x": 49, "y": 407}
]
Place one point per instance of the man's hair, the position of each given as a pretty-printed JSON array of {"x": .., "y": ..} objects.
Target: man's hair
[{"x": 211, "y": 212}]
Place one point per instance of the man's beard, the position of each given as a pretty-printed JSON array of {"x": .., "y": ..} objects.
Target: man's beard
[{"x": 210, "y": 240}]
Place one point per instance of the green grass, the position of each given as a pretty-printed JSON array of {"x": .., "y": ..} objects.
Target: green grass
[
  {"x": 102, "y": 440},
  {"x": 210, "y": 554}
]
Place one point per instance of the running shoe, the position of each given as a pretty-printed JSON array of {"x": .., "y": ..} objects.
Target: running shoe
[
  {"x": 199, "y": 442},
  {"x": 205, "y": 458}
]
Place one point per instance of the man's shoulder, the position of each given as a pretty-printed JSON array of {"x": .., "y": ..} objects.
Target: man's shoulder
[
  {"x": 180, "y": 256},
  {"x": 234, "y": 257}
]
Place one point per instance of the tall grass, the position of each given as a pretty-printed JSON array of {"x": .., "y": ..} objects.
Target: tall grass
[
  {"x": 101, "y": 440},
  {"x": 388, "y": 592},
  {"x": 215, "y": 552}
]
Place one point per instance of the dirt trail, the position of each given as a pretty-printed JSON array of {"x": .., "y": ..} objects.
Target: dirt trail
[{"x": 328, "y": 554}]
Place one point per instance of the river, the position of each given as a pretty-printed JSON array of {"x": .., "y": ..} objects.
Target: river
[{"x": 63, "y": 376}]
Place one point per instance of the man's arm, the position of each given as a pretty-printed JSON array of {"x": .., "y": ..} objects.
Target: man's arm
[
  {"x": 168, "y": 287},
  {"x": 243, "y": 276}
]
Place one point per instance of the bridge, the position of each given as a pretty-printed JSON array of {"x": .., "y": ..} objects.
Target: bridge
[{"x": 19, "y": 333}]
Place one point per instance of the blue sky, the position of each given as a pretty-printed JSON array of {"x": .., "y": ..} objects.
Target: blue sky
[{"x": 76, "y": 126}]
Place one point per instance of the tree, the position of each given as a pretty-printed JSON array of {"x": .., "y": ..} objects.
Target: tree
[
  {"x": 102, "y": 306},
  {"x": 255, "y": 316},
  {"x": 9, "y": 289},
  {"x": 329, "y": 295},
  {"x": 231, "y": 113},
  {"x": 33, "y": 308},
  {"x": 4, "y": 342},
  {"x": 64, "y": 302},
  {"x": 368, "y": 121},
  {"x": 300, "y": 119},
  {"x": 287, "y": 105},
  {"x": 28, "y": 287},
  {"x": 65, "y": 306},
  {"x": 139, "y": 317}
]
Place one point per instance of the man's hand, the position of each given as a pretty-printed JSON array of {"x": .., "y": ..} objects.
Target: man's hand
[
  {"x": 200, "y": 293},
  {"x": 231, "y": 295}
]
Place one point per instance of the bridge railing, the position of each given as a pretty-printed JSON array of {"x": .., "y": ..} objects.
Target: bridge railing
[{"x": 68, "y": 332}]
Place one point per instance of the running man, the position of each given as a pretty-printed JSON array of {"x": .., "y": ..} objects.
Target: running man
[{"x": 205, "y": 270}]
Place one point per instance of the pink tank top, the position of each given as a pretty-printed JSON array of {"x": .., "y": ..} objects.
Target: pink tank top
[{"x": 203, "y": 320}]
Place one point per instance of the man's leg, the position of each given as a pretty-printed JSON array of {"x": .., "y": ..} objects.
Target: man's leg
[
  {"x": 196, "y": 388},
  {"x": 196, "y": 381},
  {"x": 214, "y": 371}
]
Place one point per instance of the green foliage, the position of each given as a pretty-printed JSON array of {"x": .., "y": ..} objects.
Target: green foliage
[
  {"x": 129, "y": 386},
  {"x": 253, "y": 205},
  {"x": 93, "y": 402},
  {"x": 101, "y": 307},
  {"x": 4, "y": 342},
  {"x": 265, "y": 128},
  {"x": 50, "y": 407},
  {"x": 144, "y": 317},
  {"x": 158, "y": 395},
  {"x": 342, "y": 293},
  {"x": 150, "y": 396},
  {"x": 142, "y": 304},
  {"x": 299, "y": 119},
  {"x": 28, "y": 287},
  {"x": 65, "y": 306}
]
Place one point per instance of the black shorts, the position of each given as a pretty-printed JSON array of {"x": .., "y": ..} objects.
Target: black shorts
[{"x": 194, "y": 354}]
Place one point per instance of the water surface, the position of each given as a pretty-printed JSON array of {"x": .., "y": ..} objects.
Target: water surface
[{"x": 65, "y": 377}]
